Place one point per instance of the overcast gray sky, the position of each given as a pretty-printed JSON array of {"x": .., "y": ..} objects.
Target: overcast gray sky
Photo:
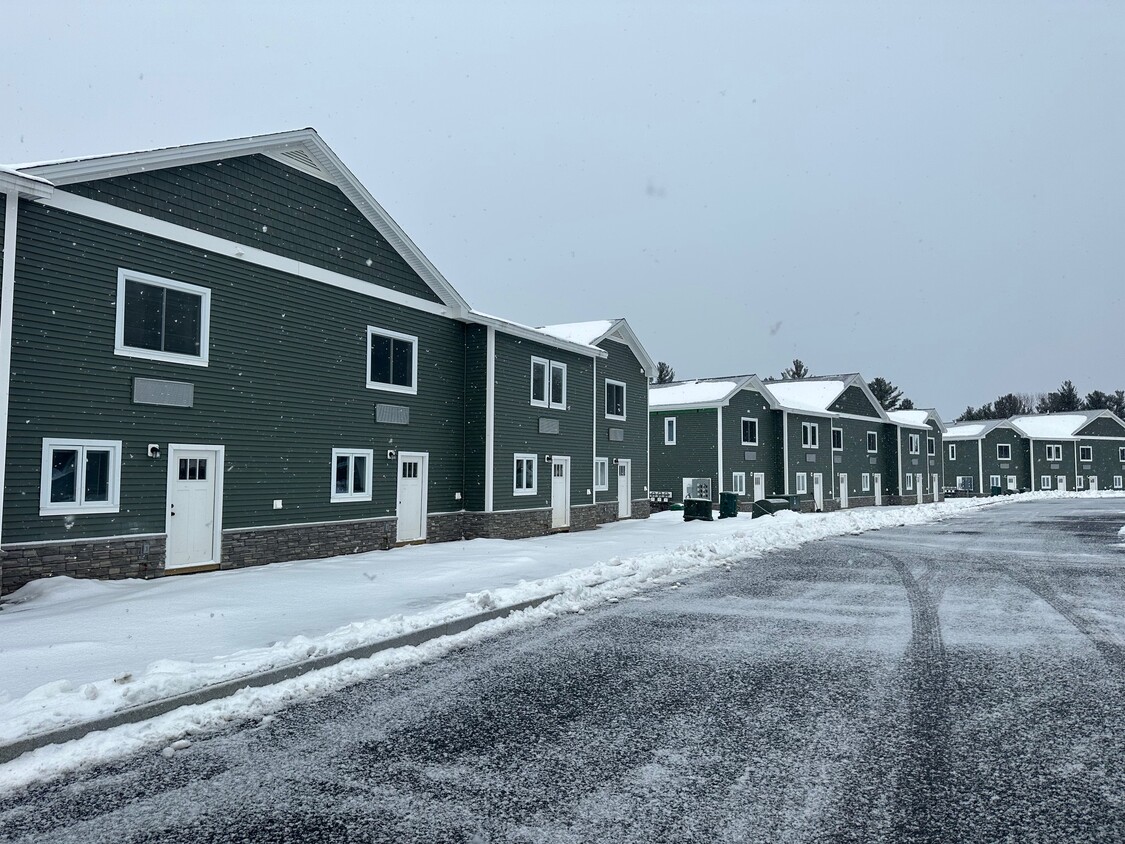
[{"x": 931, "y": 192}]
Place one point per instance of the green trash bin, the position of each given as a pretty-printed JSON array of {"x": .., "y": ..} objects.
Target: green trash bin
[
  {"x": 996, "y": 490},
  {"x": 728, "y": 505},
  {"x": 697, "y": 508}
]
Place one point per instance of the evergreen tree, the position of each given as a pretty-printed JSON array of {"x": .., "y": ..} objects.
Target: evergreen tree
[
  {"x": 797, "y": 370},
  {"x": 1011, "y": 404},
  {"x": 1117, "y": 403},
  {"x": 889, "y": 396},
  {"x": 1096, "y": 400},
  {"x": 1062, "y": 400},
  {"x": 664, "y": 373},
  {"x": 906, "y": 404}
]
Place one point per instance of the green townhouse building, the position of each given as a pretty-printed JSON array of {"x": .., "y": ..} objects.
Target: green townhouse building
[
  {"x": 921, "y": 438},
  {"x": 980, "y": 456},
  {"x": 228, "y": 353},
  {"x": 824, "y": 441}
]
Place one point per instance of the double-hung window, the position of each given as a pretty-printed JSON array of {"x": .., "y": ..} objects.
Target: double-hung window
[
  {"x": 802, "y": 483},
  {"x": 614, "y": 399},
  {"x": 749, "y": 431},
  {"x": 161, "y": 319},
  {"x": 1003, "y": 452},
  {"x": 994, "y": 480},
  {"x": 810, "y": 434},
  {"x": 1044, "y": 481},
  {"x": 670, "y": 430},
  {"x": 601, "y": 474},
  {"x": 80, "y": 476},
  {"x": 392, "y": 361},
  {"x": 914, "y": 442},
  {"x": 1085, "y": 453},
  {"x": 1121, "y": 453},
  {"x": 1054, "y": 452},
  {"x": 872, "y": 442},
  {"x": 351, "y": 474},
  {"x": 738, "y": 483},
  {"x": 1117, "y": 481},
  {"x": 548, "y": 384},
  {"x": 837, "y": 439},
  {"x": 524, "y": 481}
]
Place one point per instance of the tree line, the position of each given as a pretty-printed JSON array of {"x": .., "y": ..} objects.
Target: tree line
[{"x": 1063, "y": 400}]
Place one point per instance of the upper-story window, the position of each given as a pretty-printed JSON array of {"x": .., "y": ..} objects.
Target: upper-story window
[
  {"x": 392, "y": 361},
  {"x": 837, "y": 439},
  {"x": 872, "y": 442},
  {"x": 914, "y": 442},
  {"x": 614, "y": 399},
  {"x": 810, "y": 435},
  {"x": 161, "y": 319},
  {"x": 749, "y": 431},
  {"x": 1121, "y": 453},
  {"x": 548, "y": 383},
  {"x": 1054, "y": 452},
  {"x": 953, "y": 451},
  {"x": 1085, "y": 453},
  {"x": 931, "y": 446},
  {"x": 670, "y": 430},
  {"x": 1003, "y": 451}
]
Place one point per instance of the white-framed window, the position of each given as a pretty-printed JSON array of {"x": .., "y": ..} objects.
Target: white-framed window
[
  {"x": 601, "y": 474},
  {"x": 392, "y": 361},
  {"x": 931, "y": 446},
  {"x": 1121, "y": 453},
  {"x": 1080, "y": 482},
  {"x": 749, "y": 431},
  {"x": 80, "y": 476},
  {"x": 558, "y": 385},
  {"x": 802, "y": 483},
  {"x": 1054, "y": 452},
  {"x": 966, "y": 482},
  {"x": 1117, "y": 482},
  {"x": 670, "y": 430},
  {"x": 161, "y": 319},
  {"x": 614, "y": 399},
  {"x": 909, "y": 481},
  {"x": 524, "y": 475},
  {"x": 1085, "y": 453},
  {"x": 1003, "y": 452},
  {"x": 1044, "y": 481},
  {"x": 953, "y": 451},
  {"x": 865, "y": 482},
  {"x": 994, "y": 480},
  {"x": 810, "y": 434},
  {"x": 548, "y": 383},
  {"x": 837, "y": 439},
  {"x": 914, "y": 443},
  {"x": 351, "y": 474},
  {"x": 738, "y": 483},
  {"x": 539, "y": 371},
  {"x": 872, "y": 442}
]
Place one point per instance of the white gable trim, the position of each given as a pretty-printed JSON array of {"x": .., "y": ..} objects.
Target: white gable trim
[{"x": 251, "y": 255}]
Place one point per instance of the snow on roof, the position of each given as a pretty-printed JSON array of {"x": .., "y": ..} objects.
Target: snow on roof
[
  {"x": 806, "y": 395},
  {"x": 910, "y": 417},
  {"x": 580, "y": 332},
  {"x": 1052, "y": 426},
  {"x": 14, "y": 171},
  {"x": 529, "y": 331},
  {"x": 966, "y": 430},
  {"x": 689, "y": 392}
]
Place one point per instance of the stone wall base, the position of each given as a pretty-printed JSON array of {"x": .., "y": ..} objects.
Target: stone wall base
[
  {"x": 242, "y": 548},
  {"x": 121, "y": 558}
]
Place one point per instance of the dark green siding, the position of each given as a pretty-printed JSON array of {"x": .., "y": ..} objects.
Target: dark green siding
[
  {"x": 767, "y": 452},
  {"x": 476, "y": 406},
  {"x": 1106, "y": 462},
  {"x": 286, "y": 383},
  {"x": 1019, "y": 465},
  {"x": 259, "y": 202},
  {"x": 966, "y": 463},
  {"x": 937, "y": 462},
  {"x": 811, "y": 461},
  {"x": 854, "y": 459},
  {"x": 622, "y": 365},
  {"x": 695, "y": 454},
  {"x": 1065, "y": 466},
  {"x": 517, "y": 423},
  {"x": 1103, "y": 427},
  {"x": 853, "y": 400}
]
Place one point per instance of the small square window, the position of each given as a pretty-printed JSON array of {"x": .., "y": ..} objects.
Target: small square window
[
  {"x": 161, "y": 319},
  {"x": 738, "y": 483},
  {"x": 614, "y": 399},
  {"x": 525, "y": 481},
  {"x": 1003, "y": 452},
  {"x": 80, "y": 476},
  {"x": 837, "y": 439},
  {"x": 601, "y": 474},
  {"x": 392, "y": 361},
  {"x": 994, "y": 480},
  {"x": 749, "y": 431},
  {"x": 872, "y": 442},
  {"x": 351, "y": 474},
  {"x": 1085, "y": 453},
  {"x": 670, "y": 430},
  {"x": 1044, "y": 481}
]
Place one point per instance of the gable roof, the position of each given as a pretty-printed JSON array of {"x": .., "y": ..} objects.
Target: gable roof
[
  {"x": 595, "y": 331},
  {"x": 702, "y": 392},
  {"x": 975, "y": 430},
  {"x": 24, "y": 184},
  {"x": 815, "y": 395},
  {"x": 917, "y": 418},
  {"x": 303, "y": 149},
  {"x": 1056, "y": 426}
]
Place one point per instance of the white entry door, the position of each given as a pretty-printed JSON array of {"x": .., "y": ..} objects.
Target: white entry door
[
  {"x": 624, "y": 488},
  {"x": 818, "y": 491},
  {"x": 878, "y": 479},
  {"x": 413, "y": 472},
  {"x": 195, "y": 505},
  {"x": 843, "y": 490},
  {"x": 1013, "y": 482},
  {"x": 1060, "y": 483},
  {"x": 759, "y": 486},
  {"x": 1093, "y": 483},
  {"x": 918, "y": 487},
  {"x": 560, "y": 491}
]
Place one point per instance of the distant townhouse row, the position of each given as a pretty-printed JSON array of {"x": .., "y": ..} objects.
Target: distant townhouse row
[
  {"x": 226, "y": 354},
  {"x": 1060, "y": 451},
  {"x": 825, "y": 441}
]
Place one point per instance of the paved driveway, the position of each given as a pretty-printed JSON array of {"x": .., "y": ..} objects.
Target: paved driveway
[{"x": 955, "y": 682}]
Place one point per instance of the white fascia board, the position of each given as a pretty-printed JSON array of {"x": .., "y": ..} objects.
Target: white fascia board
[
  {"x": 228, "y": 248},
  {"x": 622, "y": 332},
  {"x": 671, "y": 408},
  {"x": 528, "y": 333},
  {"x": 28, "y": 187},
  {"x": 857, "y": 380},
  {"x": 761, "y": 388}
]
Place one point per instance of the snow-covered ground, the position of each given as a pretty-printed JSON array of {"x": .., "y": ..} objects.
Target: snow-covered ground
[{"x": 75, "y": 650}]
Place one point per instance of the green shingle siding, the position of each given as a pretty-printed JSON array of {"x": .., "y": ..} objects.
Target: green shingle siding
[
  {"x": 622, "y": 365},
  {"x": 260, "y": 202},
  {"x": 695, "y": 454},
  {"x": 286, "y": 384}
]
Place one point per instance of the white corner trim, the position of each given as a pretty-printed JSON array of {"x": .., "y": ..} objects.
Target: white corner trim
[
  {"x": 7, "y": 305},
  {"x": 228, "y": 248},
  {"x": 489, "y": 418}
]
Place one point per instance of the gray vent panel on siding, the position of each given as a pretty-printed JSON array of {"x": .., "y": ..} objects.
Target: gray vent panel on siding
[
  {"x": 617, "y": 435},
  {"x": 750, "y": 455},
  {"x": 166, "y": 393},
  {"x": 548, "y": 426},
  {"x": 392, "y": 414},
  {"x": 810, "y": 458}
]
